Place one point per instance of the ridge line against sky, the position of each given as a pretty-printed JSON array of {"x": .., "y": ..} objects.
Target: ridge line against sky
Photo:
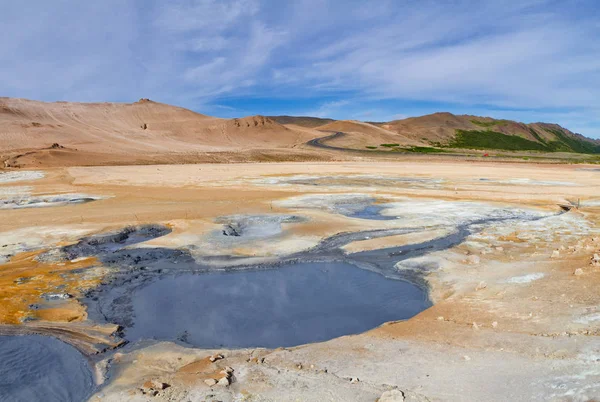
[{"x": 529, "y": 60}]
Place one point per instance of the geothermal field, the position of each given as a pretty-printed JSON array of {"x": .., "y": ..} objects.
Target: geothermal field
[{"x": 363, "y": 279}]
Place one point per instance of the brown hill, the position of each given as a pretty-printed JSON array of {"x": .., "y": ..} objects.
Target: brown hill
[
  {"x": 360, "y": 135},
  {"x": 128, "y": 133},
  {"x": 466, "y": 131},
  {"x": 302, "y": 121}
]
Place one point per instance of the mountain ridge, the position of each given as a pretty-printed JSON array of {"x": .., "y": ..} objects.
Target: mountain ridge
[{"x": 70, "y": 133}]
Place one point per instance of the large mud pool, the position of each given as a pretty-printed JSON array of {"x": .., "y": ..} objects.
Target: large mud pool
[
  {"x": 39, "y": 368},
  {"x": 230, "y": 301},
  {"x": 288, "y": 306}
]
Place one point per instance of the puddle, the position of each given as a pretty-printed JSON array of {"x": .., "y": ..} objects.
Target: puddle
[
  {"x": 255, "y": 226},
  {"x": 44, "y": 201},
  {"x": 531, "y": 182},
  {"x": 28, "y": 175},
  {"x": 292, "y": 305},
  {"x": 39, "y": 368},
  {"x": 353, "y": 181},
  {"x": 372, "y": 212},
  {"x": 105, "y": 244},
  {"x": 360, "y": 206}
]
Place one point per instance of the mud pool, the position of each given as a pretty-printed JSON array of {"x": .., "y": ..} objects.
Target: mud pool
[
  {"x": 293, "y": 305},
  {"x": 39, "y": 368}
]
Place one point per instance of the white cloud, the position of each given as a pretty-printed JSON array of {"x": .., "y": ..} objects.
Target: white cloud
[{"x": 530, "y": 55}]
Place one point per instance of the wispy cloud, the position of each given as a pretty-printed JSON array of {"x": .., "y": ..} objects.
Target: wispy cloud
[{"x": 478, "y": 55}]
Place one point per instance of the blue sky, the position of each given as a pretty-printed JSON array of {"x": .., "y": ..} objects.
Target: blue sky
[{"x": 529, "y": 60}]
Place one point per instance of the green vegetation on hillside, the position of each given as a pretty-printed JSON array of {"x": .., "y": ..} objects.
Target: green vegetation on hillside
[
  {"x": 390, "y": 145},
  {"x": 536, "y": 135},
  {"x": 573, "y": 144},
  {"x": 370, "y": 147},
  {"x": 474, "y": 139},
  {"x": 488, "y": 124},
  {"x": 487, "y": 139},
  {"x": 425, "y": 150}
]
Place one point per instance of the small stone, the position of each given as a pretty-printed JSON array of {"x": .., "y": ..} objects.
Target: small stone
[
  {"x": 467, "y": 358},
  {"x": 473, "y": 259},
  {"x": 495, "y": 324},
  {"x": 499, "y": 248},
  {"x": 223, "y": 382},
  {"x": 354, "y": 380},
  {"x": 210, "y": 382},
  {"x": 482, "y": 285},
  {"x": 392, "y": 396},
  {"x": 555, "y": 254},
  {"x": 229, "y": 369},
  {"x": 440, "y": 318},
  {"x": 160, "y": 385},
  {"x": 475, "y": 326},
  {"x": 299, "y": 366},
  {"x": 578, "y": 272}
]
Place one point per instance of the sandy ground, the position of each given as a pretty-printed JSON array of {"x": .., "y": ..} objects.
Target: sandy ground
[{"x": 515, "y": 313}]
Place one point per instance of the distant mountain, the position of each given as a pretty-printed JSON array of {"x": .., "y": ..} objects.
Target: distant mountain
[
  {"x": 446, "y": 130},
  {"x": 69, "y": 133},
  {"x": 304, "y": 121},
  {"x": 34, "y": 133},
  {"x": 474, "y": 132}
]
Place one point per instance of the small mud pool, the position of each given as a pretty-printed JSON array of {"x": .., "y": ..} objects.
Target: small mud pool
[
  {"x": 38, "y": 368},
  {"x": 293, "y": 305}
]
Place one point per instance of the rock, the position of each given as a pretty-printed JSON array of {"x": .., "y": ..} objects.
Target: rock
[
  {"x": 144, "y": 126},
  {"x": 466, "y": 358},
  {"x": 475, "y": 326},
  {"x": 555, "y": 254},
  {"x": 482, "y": 285},
  {"x": 229, "y": 369},
  {"x": 495, "y": 324},
  {"x": 57, "y": 296},
  {"x": 473, "y": 259},
  {"x": 210, "y": 382},
  {"x": 499, "y": 248},
  {"x": 392, "y": 396},
  {"x": 578, "y": 272},
  {"x": 440, "y": 318},
  {"x": 155, "y": 385},
  {"x": 223, "y": 382},
  {"x": 216, "y": 357},
  {"x": 354, "y": 380}
]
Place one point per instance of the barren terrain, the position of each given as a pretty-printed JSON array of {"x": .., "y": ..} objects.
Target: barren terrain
[{"x": 514, "y": 313}]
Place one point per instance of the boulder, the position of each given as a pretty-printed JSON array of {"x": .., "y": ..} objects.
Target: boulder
[
  {"x": 224, "y": 382},
  {"x": 392, "y": 396},
  {"x": 210, "y": 382}
]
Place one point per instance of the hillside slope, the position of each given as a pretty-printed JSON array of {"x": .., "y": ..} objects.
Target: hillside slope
[
  {"x": 137, "y": 130},
  {"x": 302, "y": 121},
  {"x": 360, "y": 135},
  {"x": 474, "y": 132}
]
